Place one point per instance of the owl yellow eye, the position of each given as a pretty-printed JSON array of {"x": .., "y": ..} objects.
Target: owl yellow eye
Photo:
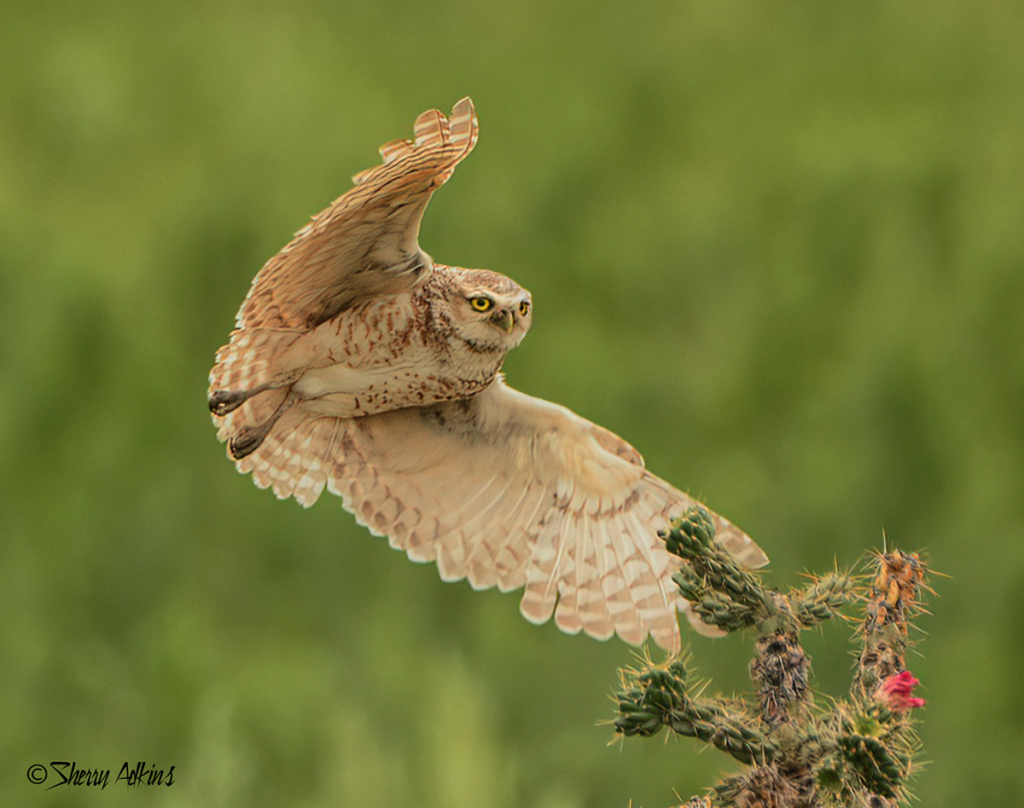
[
  {"x": 524, "y": 308},
  {"x": 481, "y": 303}
]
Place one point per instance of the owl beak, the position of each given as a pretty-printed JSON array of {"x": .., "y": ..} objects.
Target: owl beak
[{"x": 504, "y": 320}]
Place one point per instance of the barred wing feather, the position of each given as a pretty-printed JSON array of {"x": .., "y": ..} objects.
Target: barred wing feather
[{"x": 505, "y": 490}]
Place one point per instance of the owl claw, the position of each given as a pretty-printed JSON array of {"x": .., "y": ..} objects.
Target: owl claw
[
  {"x": 223, "y": 402},
  {"x": 247, "y": 442},
  {"x": 249, "y": 437}
]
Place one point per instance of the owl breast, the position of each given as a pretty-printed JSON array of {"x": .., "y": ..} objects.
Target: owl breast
[{"x": 388, "y": 354}]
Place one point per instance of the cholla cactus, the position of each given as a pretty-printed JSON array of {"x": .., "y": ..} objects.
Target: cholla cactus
[{"x": 857, "y": 751}]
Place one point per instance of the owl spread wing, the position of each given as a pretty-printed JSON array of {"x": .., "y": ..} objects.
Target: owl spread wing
[{"x": 505, "y": 490}]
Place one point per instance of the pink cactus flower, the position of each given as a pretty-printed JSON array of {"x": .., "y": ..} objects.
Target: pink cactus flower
[{"x": 898, "y": 692}]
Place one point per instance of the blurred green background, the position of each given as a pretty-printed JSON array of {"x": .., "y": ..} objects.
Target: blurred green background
[{"x": 778, "y": 247}]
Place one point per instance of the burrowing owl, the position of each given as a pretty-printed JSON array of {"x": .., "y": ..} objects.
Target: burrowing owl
[{"x": 361, "y": 366}]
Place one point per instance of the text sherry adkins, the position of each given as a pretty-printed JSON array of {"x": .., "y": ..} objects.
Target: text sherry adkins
[{"x": 68, "y": 773}]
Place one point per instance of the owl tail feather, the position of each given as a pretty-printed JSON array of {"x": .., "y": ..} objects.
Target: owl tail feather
[{"x": 247, "y": 425}]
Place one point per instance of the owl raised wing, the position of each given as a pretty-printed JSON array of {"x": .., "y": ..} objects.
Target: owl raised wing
[{"x": 365, "y": 244}]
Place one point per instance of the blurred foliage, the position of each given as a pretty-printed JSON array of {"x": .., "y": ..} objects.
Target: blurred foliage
[{"x": 778, "y": 247}]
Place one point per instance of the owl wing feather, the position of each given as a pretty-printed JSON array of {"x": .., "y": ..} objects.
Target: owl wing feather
[{"x": 505, "y": 490}]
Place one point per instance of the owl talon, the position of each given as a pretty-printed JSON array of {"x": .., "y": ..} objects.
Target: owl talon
[
  {"x": 247, "y": 439},
  {"x": 223, "y": 402},
  {"x": 247, "y": 442}
]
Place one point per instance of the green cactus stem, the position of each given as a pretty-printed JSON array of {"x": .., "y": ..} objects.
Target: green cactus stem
[{"x": 854, "y": 751}]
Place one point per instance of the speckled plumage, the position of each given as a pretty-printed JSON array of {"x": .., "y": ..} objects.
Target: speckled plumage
[{"x": 360, "y": 366}]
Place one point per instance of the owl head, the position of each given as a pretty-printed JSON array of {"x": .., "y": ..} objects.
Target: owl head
[{"x": 490, "y": 312}]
